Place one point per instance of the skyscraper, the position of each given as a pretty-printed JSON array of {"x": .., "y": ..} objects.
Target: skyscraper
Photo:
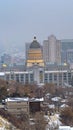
[
  {"x": 52, "y": 50},
  {"x": 66, "y": 47},
  {"x": 27, "y": 45},
  {"x": 69, "y": 56}
]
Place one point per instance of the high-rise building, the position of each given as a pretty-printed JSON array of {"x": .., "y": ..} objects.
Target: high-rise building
[
  {"x": 69, "y": 56},
  {"x": 6, "y": 59},
  {"x": 66, "y": 44},
  {"x": 27, "y": 45},
  {"x": 46, "y": 51},
  {"x": 52, "y": 50}
]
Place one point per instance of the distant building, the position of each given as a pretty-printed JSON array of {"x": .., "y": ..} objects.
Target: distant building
[
  {"x": 40, "y": 76},
  {"x": 18, "y": 106},
  {"x": 27, "y": 45},
  {"x": 69, "y": 56},
  {"x": 35, "y": 55},
  {"x": 52, "y": 50},
  {"x": 36, "y": 71},
  {"x": 6, "y": 59},
  {"x": 66, "y": 44}
]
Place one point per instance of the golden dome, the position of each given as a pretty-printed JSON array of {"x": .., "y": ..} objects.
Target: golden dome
[{"x": 35, "y": 56}]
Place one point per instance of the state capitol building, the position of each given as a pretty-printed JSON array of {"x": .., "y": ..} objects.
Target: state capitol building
[{"x": 37, "y": 71}]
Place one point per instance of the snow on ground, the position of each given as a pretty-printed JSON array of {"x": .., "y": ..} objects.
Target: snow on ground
[
  {"x": 65, "y": 128},
  {"x": 53, "y": 121},
  {"x": 4, "y": 124}
]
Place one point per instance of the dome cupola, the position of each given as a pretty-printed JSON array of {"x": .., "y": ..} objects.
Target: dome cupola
[{"x": 35, "y": 44}]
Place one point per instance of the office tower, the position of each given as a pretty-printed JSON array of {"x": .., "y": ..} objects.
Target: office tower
[
  {"x": 66, "y": 44},
  {"x": 6, "y": 59},
  {"x": 52, "y": 50},
  {"x": 27, "y": 45},
  {"x": 69, "y": 56}
]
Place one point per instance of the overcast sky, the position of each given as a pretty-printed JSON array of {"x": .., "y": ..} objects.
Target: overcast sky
[{"x": 20, "y": 20}]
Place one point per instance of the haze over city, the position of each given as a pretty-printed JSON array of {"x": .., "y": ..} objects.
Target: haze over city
[
  {"x": 20, "y": 20},
  {"x": 36, "y": 64}
]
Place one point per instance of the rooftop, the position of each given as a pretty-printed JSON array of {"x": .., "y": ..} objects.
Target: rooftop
[
  {"x": 25, "y": 99},
  {"x": 35, "y": 44}
]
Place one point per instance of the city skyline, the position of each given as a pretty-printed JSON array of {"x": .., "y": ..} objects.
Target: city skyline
[{"x": 21, "y": 20}]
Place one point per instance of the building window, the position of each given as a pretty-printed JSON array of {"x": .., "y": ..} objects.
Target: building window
[
  {"x": 26, "y": 78},
  {"x": 41, "y": 76},
  {"x": 46, "y": 78},
  {"x": 65, "y": 76},
  {"x": 55, "y": 77},
  {"x": 31, "y": 78},
  {"x": 69, "y": 78},
  {"x": 50, "y": 77},
  {"x": 17, "y": 77},
  {"x": 12, "y": 77},
  {"x": 22, "y": 77},
  {"x": 18, "y": 108},
  {"x": 7, "y": 77},
  {"x": 60, "y": 76}
]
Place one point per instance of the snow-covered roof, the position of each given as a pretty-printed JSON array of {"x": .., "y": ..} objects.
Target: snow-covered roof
[
  {"x": 64, "y": 100},
  {"x": 2, "y": 73},
  {"x": 63, "y": 106},
  {"x": 51, "y": 106},
  {"x": 16, "y": 99},
  {"x": 48, "y": 94},
  {"x": 56, "y": 99},
  {"x": 25, "y": 99},
  {"x": 36, "y": 99}
]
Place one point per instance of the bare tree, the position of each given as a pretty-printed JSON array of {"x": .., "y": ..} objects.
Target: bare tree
[
  {"x": 67, "y": 116},
  {"x": 40, "y": 123}
]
